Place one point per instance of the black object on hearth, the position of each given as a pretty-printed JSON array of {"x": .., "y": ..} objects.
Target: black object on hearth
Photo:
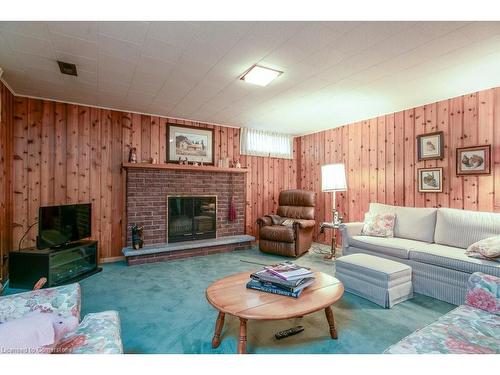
[{"x": 191, "y": 218}]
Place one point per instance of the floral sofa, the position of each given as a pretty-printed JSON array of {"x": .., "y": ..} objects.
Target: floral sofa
[
  {"x": 98, "y": 333},
  {"x": 470, "y": 328}
]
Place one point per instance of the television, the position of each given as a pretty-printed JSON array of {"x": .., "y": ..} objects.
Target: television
[{"x": 60, "y": 225}]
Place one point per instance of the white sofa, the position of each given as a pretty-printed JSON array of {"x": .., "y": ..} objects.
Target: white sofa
[{"x": 432, "y": 241}]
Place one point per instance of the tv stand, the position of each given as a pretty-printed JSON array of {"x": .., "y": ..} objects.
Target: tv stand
[{"x": 65, "y": 264}]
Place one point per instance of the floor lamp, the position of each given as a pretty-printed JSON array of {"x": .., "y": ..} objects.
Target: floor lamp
[{"x": 333, "y": 179}]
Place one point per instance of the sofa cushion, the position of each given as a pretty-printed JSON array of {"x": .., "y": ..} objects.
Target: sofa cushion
[
  {"x": 411, "y": 222},
  {"x": 465, "y": 330},
  {"x": 278, "y": 233},
  {"x": 460, "y": 228},
  {"x": 453, "y": 258},
  {"x": 396, "y": 247}
]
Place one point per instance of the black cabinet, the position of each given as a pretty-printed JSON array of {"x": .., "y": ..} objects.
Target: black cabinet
[{"x": 68, "y": 264}]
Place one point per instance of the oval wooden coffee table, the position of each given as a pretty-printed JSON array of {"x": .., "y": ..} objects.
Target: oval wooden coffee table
[{"x": 230, "y": 296}]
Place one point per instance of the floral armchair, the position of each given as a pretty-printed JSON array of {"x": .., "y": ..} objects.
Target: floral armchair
[
  {"x": 473, "y": 328},
  {"x": 97, "y": 333}
]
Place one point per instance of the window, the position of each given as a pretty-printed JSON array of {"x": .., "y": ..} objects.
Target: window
[{"x": 261, "y": 143}]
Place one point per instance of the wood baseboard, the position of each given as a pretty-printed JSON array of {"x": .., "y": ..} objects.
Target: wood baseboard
[{"x": 111, "y": 259}]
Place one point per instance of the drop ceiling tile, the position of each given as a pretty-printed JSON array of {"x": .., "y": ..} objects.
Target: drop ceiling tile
[
  {"x": 270, "y": 35},
  {"x": 207, "y": 53},
  {"x": 119, "y": 48},
  {"x": 162, "y": 51},
  {"x": 36, "y": 62},
  {"x": 342, "y": 27},
  {"x": 47, "y": 75},
  {"x": 106, "y": 89},
  {"x": 477, "y": 31},
  {"x": 8, "y": 58},
  {"x": 118, "y": 66},
  {"x": 174, "y": 90},
  {"x": 78, "y": 29},
  {"x": 129, "y": 31},
  {"x": 227, "y": 33},
  {"x": 17, "y": 79},
  {"x": 324, "y": 58},
  {"x": 49, "y": 85},
  {"x": 34, "y": 29},
  {"x": 178, "y": 34},
  {"x": 27, "y": 44},
  {"x": 139, "y": 99},
  {"x": 151, "y": 88},
  {"x": 365, "y": 36},
  {"x": 84, "y": 76},
  {"x": 111, "y": 102},
  {"x": 154, "y": 66},
  {"x": 162, "y": 110},
  {"x": 74, "y": 46}
]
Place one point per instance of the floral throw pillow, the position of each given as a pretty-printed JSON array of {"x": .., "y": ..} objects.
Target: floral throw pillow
[
  {"x": 379, "y": 225},
  {"x": 488, "y": 248},
  {"x": 483, "y": 292}
]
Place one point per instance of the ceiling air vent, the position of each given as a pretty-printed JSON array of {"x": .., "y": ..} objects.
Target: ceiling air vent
[{"x": 67, "y": 68}]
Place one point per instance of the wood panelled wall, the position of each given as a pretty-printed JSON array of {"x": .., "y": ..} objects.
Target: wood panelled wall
[
  {"x": 65, "y": 153},
  {"x": 381, "y": 162},
  {"x": 5, "y": 176}
]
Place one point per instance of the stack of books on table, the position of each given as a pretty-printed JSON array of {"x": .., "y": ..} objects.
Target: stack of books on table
[{"x": 287, "y": 279}]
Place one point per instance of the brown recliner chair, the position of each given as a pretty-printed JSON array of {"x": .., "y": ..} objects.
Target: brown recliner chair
[{"x": 293, "y": 239}]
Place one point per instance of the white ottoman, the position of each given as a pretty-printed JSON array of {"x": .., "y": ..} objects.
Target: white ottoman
[{"x": 382, "y": 281}]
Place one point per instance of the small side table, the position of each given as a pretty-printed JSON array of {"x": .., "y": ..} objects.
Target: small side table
[{"x": 333, "y": 227}]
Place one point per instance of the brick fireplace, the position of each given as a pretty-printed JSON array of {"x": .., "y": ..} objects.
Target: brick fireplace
[{"x": 148, "y": 189}]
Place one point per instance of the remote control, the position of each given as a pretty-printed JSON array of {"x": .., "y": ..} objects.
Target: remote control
[{"x": 288, "y": 332}]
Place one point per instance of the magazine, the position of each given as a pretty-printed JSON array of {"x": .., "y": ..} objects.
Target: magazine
[
  {"x": 257, "y": 285},
  {"x": 267, "y": 276},
  {"x": 289, "y": 271}
]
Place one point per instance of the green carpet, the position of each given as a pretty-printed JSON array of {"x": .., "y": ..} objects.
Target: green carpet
[{"x": 163, "y": 309}]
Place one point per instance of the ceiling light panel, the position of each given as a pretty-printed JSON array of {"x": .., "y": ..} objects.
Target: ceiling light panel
[{"x": 260, "y": 75}]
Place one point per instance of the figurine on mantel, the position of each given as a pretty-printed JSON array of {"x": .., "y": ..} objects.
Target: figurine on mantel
[
  {"x": 183, "y": 161},
  {"x": 132, "y": 155},
  {"x": 137, "y": 237},
  {"x": 237, "y": 164}
]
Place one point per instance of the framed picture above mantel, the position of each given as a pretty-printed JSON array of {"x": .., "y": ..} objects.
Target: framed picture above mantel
[{"x": 190, "y": 143}]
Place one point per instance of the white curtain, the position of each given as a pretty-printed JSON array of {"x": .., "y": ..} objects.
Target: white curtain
[{"x": 261, "y": 143}]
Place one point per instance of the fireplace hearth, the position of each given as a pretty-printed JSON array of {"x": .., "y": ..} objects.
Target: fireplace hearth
[{"x": 191, "y": 218}]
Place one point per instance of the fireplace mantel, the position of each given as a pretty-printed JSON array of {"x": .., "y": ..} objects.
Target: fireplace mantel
[{"x": 181, "y": 167}]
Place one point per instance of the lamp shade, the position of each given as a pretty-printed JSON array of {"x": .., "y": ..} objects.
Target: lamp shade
[{"x": 333, "y": 177}]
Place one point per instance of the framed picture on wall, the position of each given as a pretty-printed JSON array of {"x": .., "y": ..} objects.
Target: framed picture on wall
[
  {"x": 430, "y": 146},
  {"x": 430, "y": 180},
  {"x": 473, "y": 160},
  {"x": 195, "y": 144}
]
